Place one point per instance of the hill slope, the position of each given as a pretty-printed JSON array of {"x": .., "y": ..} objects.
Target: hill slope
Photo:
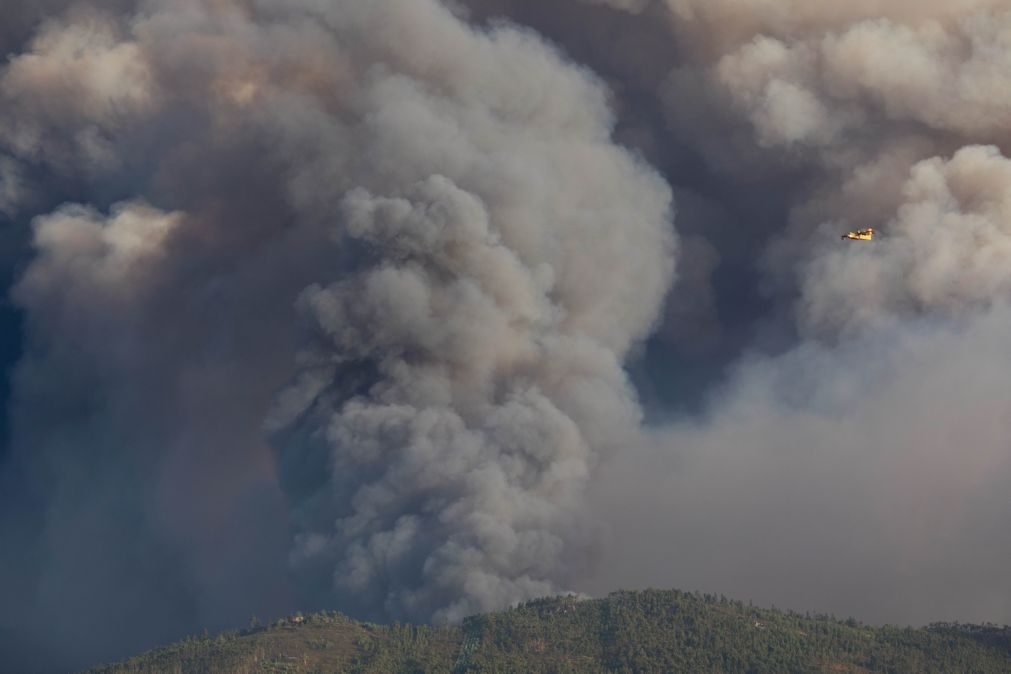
[{"x": 627, "y": 632}]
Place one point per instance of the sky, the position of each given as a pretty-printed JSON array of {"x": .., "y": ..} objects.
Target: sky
[{"x": 421, "y": 308}]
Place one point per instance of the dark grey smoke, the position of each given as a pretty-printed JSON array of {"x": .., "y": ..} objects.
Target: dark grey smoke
[
  {"x": 470, "y": 258},
  {"x": 354, "y": 304}
]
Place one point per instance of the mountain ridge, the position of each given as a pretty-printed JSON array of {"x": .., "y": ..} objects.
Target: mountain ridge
[{"x": 645, "y": 631}]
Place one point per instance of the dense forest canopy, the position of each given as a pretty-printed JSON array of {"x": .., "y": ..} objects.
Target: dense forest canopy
[{"x": 652, "y": 631}]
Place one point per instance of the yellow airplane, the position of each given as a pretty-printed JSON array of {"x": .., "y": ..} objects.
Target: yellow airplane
[{"x": 867, "y": 234}]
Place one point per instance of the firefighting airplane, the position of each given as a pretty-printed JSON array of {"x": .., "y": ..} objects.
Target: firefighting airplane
[{"x": 867, "y": 234}]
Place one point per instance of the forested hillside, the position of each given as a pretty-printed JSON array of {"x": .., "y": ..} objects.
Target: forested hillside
[{"x": 649, "y": 631}]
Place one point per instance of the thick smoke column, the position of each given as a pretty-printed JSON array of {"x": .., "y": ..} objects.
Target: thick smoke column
[
  {"x": 421, "y": 235},
  {"x": 465, "y": 376},
  {"x": 466, "y": 396}
]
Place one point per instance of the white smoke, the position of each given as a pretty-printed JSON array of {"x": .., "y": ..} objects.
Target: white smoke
[
  {"x": 946, "y": 252},
  {"x": 83, "y": 60}
]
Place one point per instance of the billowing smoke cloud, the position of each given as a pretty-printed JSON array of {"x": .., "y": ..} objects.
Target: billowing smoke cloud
[
  {"x": 466, "y": 374},
  {"x": 331, "y": 303},
  {"x": 947, "y": 250},
  {"x": 407, "y": 248},
  {"x": 494, "y": 383},
  {"x": 865, "y": 469}
]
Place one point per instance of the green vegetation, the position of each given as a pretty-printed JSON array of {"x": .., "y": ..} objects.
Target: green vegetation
[{"x": 627, "y": 632}]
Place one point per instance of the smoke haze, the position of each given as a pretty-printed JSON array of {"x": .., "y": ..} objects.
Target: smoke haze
[{"x": 416, "y": 309}]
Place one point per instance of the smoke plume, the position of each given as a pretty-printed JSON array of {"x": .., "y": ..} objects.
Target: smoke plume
[
  {"x": 373, "y": 306},
  {"x": 465, "y": 373},
  {"x": 407, "y": 248},
  {"x": 851, "y": 450}
]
